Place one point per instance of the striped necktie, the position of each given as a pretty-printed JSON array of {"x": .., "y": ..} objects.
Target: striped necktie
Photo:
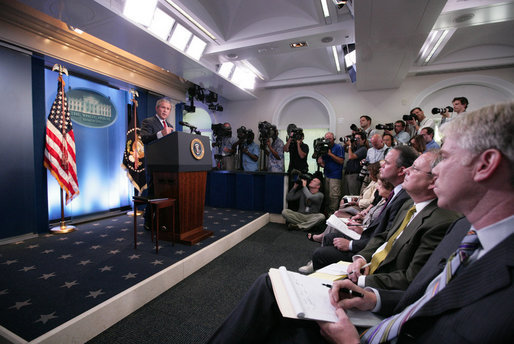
[
  {"x": 380, "y": 256},
  {"x": 389, "y": 328}
]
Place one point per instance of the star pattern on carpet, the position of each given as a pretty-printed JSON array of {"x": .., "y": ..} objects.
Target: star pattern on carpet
[
  {"x": 47, "y": 276},
  {"x": 27, "y": 268},
  {"x": 129, "y": 275},
  {"x": 69, "y": 284},
  {"x": 57, "y": 280},
  {"x": 95, "y": 294},
  {"x": 43, "y": 318},
  {"x": 18, "y": 305}
]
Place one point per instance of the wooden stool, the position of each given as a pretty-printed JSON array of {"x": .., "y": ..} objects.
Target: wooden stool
[{"x": 156, "y": 205}]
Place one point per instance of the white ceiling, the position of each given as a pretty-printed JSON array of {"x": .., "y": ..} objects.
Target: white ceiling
[{"x": 388, "y": 35}]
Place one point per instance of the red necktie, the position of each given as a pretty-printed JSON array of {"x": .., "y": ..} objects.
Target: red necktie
[{"x": 164, "y": 124}]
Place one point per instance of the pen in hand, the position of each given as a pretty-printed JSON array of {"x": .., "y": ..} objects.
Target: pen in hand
[
  {"x": 346, "y": 291},
  {"x": 362, "y": 268}
]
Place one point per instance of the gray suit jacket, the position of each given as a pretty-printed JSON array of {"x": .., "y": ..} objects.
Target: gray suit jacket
[
  {"x": 477, "y": 306},
  {"x": 412, "y": 249}
]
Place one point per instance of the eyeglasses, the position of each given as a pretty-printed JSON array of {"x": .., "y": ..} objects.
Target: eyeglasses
[{"x": 418, "y": 170}]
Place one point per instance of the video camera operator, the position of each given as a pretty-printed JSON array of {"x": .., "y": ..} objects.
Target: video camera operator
[
  {"x": 272, "y": 148},
  {"x": 248, "y": 149},
  {"x": 223, "y": 139},
  {"x": 297, "y": 150},
  {"x": 331, "y": 158},
  {"x": 356, "y": 152}
]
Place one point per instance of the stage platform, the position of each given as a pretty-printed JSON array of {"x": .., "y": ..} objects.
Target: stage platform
[{"x": 69, "y": 288}]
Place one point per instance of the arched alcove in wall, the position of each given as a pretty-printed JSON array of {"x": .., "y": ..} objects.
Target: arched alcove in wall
[
  {"x": 305, "y": 109},
  {"x": 480, "y": 90},
  {"x": 310, "y": 111}
]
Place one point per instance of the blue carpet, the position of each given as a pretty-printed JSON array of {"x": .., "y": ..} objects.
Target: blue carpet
[{"x": 51, "y": 279}]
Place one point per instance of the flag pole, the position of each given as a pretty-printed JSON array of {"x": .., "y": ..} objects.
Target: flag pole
[
  {"x": 135, "y": 94},
  {"x": 63, "y": 227}
]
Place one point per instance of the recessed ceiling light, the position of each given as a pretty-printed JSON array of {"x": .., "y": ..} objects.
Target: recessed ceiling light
[
  {"x": 298, "y": 45},
  {"x": 327, "y": 39},
  {"x": 232, "y": 56}
]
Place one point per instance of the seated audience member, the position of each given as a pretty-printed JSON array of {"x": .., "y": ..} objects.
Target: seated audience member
[
  {"x": 428, "y": 135},
  {"x": 418, "y": 143},
  {"x": 366, "y": 197},
  {"x": 465, "y": 291},
  {"x": 356, "y": 152},
  {"x": 310, "y": 200},
  {"x": 332, "y": 164},
  {"x": 362, "y": 219},
  {"x": 388, "y": 141},
  {"x": 422, "y": 121},
  {"x": 393, "y": 171},
  {"x": 415, "y": 243},
  {"x": 397, "y": 255}
]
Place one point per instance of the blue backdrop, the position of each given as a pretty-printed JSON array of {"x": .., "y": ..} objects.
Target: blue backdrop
[{"x": 103, "y": 183}]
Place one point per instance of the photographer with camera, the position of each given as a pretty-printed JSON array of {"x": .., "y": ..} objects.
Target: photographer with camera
[
  {"x": 297, "y": 150},
  {"x": 331, "y": 158},
  {"x": 422, "y": 121},
  {"x": 401, "y": 137},
  {"x": 249, "y": 150},
  {"x": 306, "y": 191},
  {"x": 460, "y": 104},
  {"x": 357, "y": 151},
  {"x": 365, "y": 123},
  {"x": 272, "y": 147},
  {"x": 223, "y": 139}
]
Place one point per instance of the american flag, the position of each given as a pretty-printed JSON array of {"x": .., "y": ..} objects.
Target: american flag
[{"x": 60, "y": 145}]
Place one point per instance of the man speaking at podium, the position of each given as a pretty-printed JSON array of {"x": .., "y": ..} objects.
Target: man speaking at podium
[
  {"x": 154, "y": 128},
  {"x": 157, "y": 126}
]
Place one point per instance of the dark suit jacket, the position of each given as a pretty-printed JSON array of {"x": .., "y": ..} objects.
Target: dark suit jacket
[
  {"x": 412, "y": 249},
  {"x": 378, "y": 226},
  {"x": 150, "y": 127},
  {"x": 477, "y": 306}
]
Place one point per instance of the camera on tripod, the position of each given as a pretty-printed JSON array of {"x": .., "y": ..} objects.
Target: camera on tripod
[
  {"x": 295, "y": 133},
  {"x": 265, "y": 132},
  {"x": 435, "y": 111},
  {"x": 321, "y": 147},
  {"x": 219, "y": 131},
  {"x": 243, "y": 133}
]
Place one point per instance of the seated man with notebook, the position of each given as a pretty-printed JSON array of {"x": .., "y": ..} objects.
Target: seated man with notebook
[
  {"x": 336, "y": 246},
  {"x": 395, "y": 256},
  {"x": 465, "y": 291}
]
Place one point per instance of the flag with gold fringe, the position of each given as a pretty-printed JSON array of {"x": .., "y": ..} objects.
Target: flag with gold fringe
[
  {"x": 60, "y": 158},
  {"x": 134, "y": 154}
]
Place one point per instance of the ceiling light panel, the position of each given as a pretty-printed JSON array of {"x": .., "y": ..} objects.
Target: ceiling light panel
[
  {"x": 180, "y": 37},
  {"x": 226, "y": 69},
  {"x": 196, "y": 48},
  {"x": 243, "y": 78},
  {"x": 336, "y": 58},
  {"x": 161, "y": 24},
  {"x": 324, "y": 7},
  {"x": 140, "y": 11}
]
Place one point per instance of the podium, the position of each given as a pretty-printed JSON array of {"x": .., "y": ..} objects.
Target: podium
[{"x": 179, "y": 163}]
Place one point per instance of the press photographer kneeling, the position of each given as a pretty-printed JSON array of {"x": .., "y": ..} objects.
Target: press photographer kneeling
[{"x": 306, "y": 191}]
